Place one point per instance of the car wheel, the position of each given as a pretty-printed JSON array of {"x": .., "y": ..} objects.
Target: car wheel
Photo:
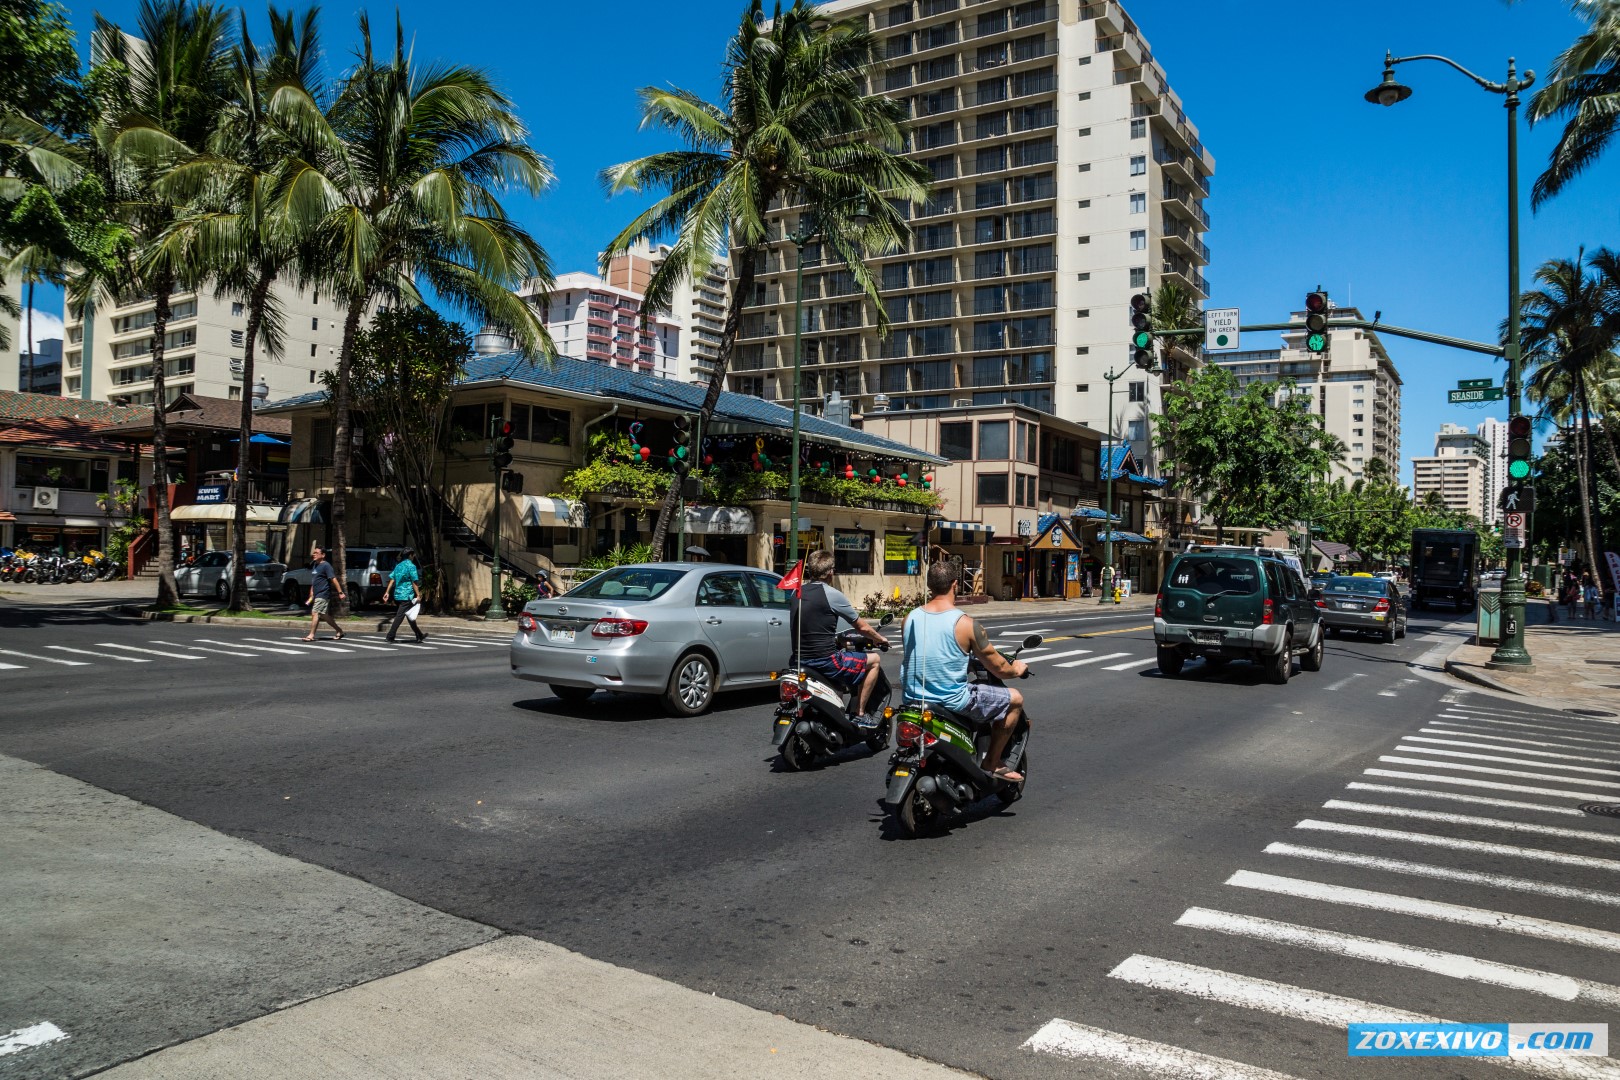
[
  {"x": 571, "y": 695},
  {"x": 292, "y": 594},
  {"x": 1401, "y": 630},
  {"x": 1170, "y": 661},
  {"x": 1311, "y": 660},
  {"x": 222, "y": 591},
  {"x": 691, "y": 685},
  {"x": 1280, "y": 667}
]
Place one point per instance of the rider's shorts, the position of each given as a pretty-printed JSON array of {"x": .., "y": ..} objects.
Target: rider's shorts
[
  {"x": 843, "y": 669},
  {"x": 987, "y": 703}
]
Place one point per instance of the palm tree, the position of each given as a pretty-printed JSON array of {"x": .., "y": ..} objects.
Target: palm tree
[
  {"x": 231, "y": 228},
  {"x": 797, "y": 128},
  {"x": 1583, "y": 88},
  {"x": 158, "y": 101},
  {"x": 1571, "y": 331},
  {"x": 400, "y": 190}
]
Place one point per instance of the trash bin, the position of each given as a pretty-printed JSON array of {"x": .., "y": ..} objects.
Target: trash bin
[{"x": 1488, "y": 629}]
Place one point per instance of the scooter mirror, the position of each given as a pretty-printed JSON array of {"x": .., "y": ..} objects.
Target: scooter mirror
[
  {"x": 1033, "y": 641},
  {"x": 887, "y": 619}
]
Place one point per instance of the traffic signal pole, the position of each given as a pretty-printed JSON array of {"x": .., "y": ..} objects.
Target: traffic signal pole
[{"x": 500, "y": 456}]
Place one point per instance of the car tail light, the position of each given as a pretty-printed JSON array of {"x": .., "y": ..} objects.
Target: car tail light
[
  {"x": 1321, "y": 603},
  {"x": 907, "y": 733},
  {"x": 1382, "y": 605},
  {"x": 1266, "y": 614},
  {"x": 526, "y": 623},
  {"x": 611, "y": 628},
  {"x": 1158, "y": 606},
  {"x": 376, "y": 578}
]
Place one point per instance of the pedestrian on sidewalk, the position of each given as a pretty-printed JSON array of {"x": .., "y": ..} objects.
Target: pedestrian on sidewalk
[
  {"x": 1589, "y": 594},
  {"x": 404, "y": 587},
  {"x": 323, "y": 585},
  {"x": 1571, "y": 595}
]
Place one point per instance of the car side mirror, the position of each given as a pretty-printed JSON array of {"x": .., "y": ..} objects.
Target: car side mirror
[{"x": 1033, "y": 641}]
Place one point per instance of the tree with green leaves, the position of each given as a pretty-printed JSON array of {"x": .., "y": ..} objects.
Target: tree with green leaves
[
  {"x": 799, "y": 129},
  {"x": 1582, "y": 89},
  {"x": 1562, "y": 507}
]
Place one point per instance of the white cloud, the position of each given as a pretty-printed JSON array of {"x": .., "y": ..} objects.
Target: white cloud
[{"x": 46, "y": 325}]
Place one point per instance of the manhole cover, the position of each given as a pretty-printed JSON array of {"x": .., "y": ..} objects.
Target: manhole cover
[
  {"x": 1601, "y": 809},
  {"x": 1589, "y": 712}
]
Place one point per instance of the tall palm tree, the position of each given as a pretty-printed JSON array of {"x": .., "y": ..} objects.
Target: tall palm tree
[
  {"x": 1571, "y": 332},
  {"x": 232, "y": 228},
  {"x": 159, "y": 96},
  {"x": 797, "y": 128},
  {"x": 400, "y": 194},
  {"x": 1583, "y": 88}
]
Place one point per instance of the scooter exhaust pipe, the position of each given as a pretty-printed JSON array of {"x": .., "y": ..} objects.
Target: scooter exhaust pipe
[{"x": 940, "y": 793}]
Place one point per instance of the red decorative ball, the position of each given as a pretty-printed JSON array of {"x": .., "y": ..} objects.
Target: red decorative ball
[
  {"x": 758, "y": 467},
  {"x": 646, "y": 452},
  {"x": 708, "y": 459},
  {"x": 849, "y": 472},
  {"x": 902, "y": 483}
]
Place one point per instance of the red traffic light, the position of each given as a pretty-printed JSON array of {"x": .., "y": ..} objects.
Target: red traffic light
[
  {"x": 1316, "y": 303},
  {"x": 506, "y": 427},
  {"x": 1518, "y": 427}
]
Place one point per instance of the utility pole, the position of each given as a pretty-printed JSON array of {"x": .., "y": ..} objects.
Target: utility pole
[{"x": 1108, "y": 508}]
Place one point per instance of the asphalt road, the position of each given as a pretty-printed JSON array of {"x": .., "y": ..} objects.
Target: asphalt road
[{"x": 1203, "y": 862}]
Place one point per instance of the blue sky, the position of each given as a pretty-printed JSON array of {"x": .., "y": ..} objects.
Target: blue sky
[{"x": 1401, "y": 210}]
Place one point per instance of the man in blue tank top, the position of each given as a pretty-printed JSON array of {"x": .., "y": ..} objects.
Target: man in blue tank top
[{"x": 939, "y": 638}]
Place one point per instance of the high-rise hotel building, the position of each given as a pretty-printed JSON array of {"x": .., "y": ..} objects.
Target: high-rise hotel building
[{"x": 1066, "y": 178}]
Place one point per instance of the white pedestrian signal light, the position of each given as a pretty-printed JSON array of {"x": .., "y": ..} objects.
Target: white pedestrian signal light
[
  {"x": 1316, "y": 312},
  {"x": 1518, "y": 447},
  {"x": 1141, "y": 331}
]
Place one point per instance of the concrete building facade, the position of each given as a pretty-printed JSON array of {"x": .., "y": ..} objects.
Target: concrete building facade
[
  {"x": 40, "y": 373},
  {"x": 1493, "y": 433},
  {"x": 1457, "y": 471},
  {"x": 1066, "y": 178},
  {"x": 699, "y": 307},
  {"x": 107, "y": 356},
  {"x": 590, "y": 318}
]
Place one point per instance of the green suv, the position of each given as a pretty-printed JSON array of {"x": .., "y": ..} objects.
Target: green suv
[{"x": 1236, "y": 605}]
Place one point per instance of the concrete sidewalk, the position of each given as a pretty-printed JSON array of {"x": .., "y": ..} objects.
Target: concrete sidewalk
[
  {"x": 1577, "y": 664},
  {"x": 140, "y": 942}
]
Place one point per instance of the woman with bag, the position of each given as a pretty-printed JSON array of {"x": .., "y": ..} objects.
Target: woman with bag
[{"x": 404, "y": 585}]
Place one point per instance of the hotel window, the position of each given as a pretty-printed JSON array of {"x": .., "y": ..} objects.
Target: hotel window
[
  {"x": 1139, "y": 165},
  {"x": 1139, "y": 128},
  {"x": 1138, "y": 239},
  {"x": 1138, "y": 277},
  {"x": 993, "y": 441},
  {"x": 956, "y": 441},
  {"x": 1138, "y": 202},
  {"x": 1138, "y": 391},
  {"x": 1134, "y": 431},
  {"x": 992, "y": 489},
  {"x": 236, "y": 309}
]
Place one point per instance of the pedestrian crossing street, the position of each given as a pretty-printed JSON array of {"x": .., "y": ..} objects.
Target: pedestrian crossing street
[
  {"x": 1428, "y": 864},
  {"x": 173, "y": 648}
]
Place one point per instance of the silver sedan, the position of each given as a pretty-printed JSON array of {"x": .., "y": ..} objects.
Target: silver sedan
[
  {"x": 210, "y": 575},
  {"x": 683, "y": 631},
  {"x": 1363, "y": 605}
]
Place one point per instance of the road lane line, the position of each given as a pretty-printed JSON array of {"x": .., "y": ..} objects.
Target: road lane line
[
  {"x": 14, "y": 1042},
  {"x": 1458, "y": 914},
  {"x": 1431, "y": 840},
  {"x": 104, "y": 656},
  {"x": 1161, "y": 1061},
  {"x": 1094, "y": 659},
  {"x": 1346, "y": 681},
  {"x": 1480, "y": 733},
  {"x": 1105, "y": 633},
  {"x": 1469, "y": 819},
  {"x": 1443, "y": 873},
  {"x": 1493, "y": 785},
  {"x": 255, "y": 648},
  {"x": 321, "y": 647},
  {"x": 1430, "y": 763},
  {"x": 1132, "y": 664},
  {"x": 1477, "y": 800},
  {"x": 203, "y": 648},
  {"x": 47, "y": 659},
  {"x": 1061, "y": 655},
  {"x": 1023, "y": 633},
  {"x": 149, "y": 652},
  {"x": 1514, "y": 749},
  {"x": 1574, "y": 734},
  {"x": 1436, "y": 962}
]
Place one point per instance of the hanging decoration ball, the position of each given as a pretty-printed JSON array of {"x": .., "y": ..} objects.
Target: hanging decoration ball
[
  {"x": 645, "y": 452},
  {"x": 902, "y": 483},
  {"x": 708, "y": 459},
  {"x": 758, "y": 467},
  {"x": 873, "y": 474}
]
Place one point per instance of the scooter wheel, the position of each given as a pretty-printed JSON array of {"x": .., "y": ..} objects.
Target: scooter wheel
[
  {"x": 878, "y": 741},
  {"x": 916, "y": 816},
  {"x": 1011, "y": 793},
  {"x": 795, "y": 753}
]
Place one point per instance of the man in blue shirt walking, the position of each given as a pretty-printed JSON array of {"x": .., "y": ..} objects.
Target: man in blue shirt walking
[{"x": 404, "y": 585}]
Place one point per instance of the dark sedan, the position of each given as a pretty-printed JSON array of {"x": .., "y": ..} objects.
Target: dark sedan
[{"x": 1362, "y": 604}]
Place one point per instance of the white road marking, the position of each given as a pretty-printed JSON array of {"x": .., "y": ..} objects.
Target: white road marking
[
  {"x": 1479, "y": 733},
  {"x": 1469, "y": 819},
  {"x": 47, "y": 659},
  {"x": 412, "y": 645},
  {"x": 455, "y": 644},
  {"x": 102, "y": 655},
  {"x": 1444, "y": 873},
  {"x": 1404, "y": 748},
  {"x": 1395, "y": 688},
  {"x": 1127, "y": 667},
  {"x": 1478, "y": 800},
  {"x": 1431, "y": 840},
  {"x": 1508, "y": 749},
  {"x": 1491, "y": 785},
  {"x": 1430, "y": 763},
  {"x": 321, "y": 647},
  {"x": 1563, "y": 716},
  {"x": 1023, "y": 633},
  {"x": 25, "y": 1038},
  {"x": 1346, "y": 681},
  {"x": 255, "y": 648},
  {"x": 206, "y": 649},
  {"x": 347, "y": 644},
  {"x": 1571, "y": 736},
  {"x": 1095, "y": 659},
  {"x": 1451, "y": 965},
  {"x": 1061, "y": 655},
  {"x": 149, "y": 652},
  {"x": 1158, "y": 1060},
  {"x": 13, "y": 667},
  {"x": 1461, "y": 915}
]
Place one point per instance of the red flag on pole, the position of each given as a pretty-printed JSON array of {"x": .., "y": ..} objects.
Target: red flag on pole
[{"x": 793, "y": 579}]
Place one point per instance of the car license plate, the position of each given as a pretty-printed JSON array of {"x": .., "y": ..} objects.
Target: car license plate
[
  {"x": 1207, "y": 638},
  {"x": 563, "y": 637}
]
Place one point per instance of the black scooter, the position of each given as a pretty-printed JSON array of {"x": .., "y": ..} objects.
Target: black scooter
[
  {"x": 936, "y": 768},
  {"x": 814, "y": 720}
]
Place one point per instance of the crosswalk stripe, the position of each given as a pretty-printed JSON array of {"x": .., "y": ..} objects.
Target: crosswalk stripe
[
  {"x": 1459, "y": 914},
  {"x": 461, "y": 644},
  {"x": 1161, "y": 1061},
  {"x": 256, "y": 648},
  {"x": 150, "y": 652},
  {"x": 1431, "y": 763},
  {"x": 1567, "y": 734},
  {"x": 1431, "y": 840},
  {"x": 1477, "y": 733},
  {"x": 104, "y": 656},
  {"x": 1095, "y": 659},
  {"x": 1468, "y": 819},
  {"x": 1565, "y": 717},
  {"x": 13, "y": 667},
  {"x": 1444, "y": 873},
  {"x": 206, "y": 649},
  {"x": 1488, "y": 746},
  {"x": 1478, "y": 800},
  {"x": 1563, "y": 725},
  {"x": 1405, "y": 748},
  {"x": 1436, "y": 962},
  {"x": 1061, "y": 655},
  {"x": 322, "y": 647},
  {"x": 1492, "y": 785},
  {"x": 1127, "y": 667},
  {"x": 47, "y": 659},
  {"x": 347, "y": 644}
]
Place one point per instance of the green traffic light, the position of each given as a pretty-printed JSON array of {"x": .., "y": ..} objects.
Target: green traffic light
[
  {"x": 1142, "y": 339},
  {"x": 1519, "y": 469},
  {"x": 1316, "y": 343}
]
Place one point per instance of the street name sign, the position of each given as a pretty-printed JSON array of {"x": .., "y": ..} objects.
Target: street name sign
[
  {"x": 1468, "y": 397},
  {"x": 1221, "y": 329},
  {"x": 1474, "y": 384}
]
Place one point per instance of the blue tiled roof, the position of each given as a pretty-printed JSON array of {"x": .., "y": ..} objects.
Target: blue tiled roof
[
  {"x": 593, "y": 379},
  {"x": 1120, "y": 462},
  {"x": 1092, "y": 513}
]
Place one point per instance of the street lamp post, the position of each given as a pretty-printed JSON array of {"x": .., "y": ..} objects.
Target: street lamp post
[
  {"x": 1108, "y": 509},
  {"x": 1511, "y": 653}
]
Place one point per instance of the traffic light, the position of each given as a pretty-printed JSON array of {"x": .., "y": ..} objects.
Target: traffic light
[
  {"x": 512, "y": 482},
  {"x": 1316, "y": 312},
  {"x": 1518, "y": 447},
  {"x": 502, "y": 447},
  {"x": 680, "y": 455},
  {"x": 1141, "y": 331}
]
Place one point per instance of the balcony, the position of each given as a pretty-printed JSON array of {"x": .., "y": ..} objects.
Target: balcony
[
  {"x": 1189, "y": 278},
  {"x": 1182, "y": 169},
  {"x": 1184, "y": 240}
]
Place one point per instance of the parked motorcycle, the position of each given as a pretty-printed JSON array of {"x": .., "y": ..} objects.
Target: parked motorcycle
[
  {"x": 936, "y": 768},
  {"x": 815, "y": 719},
  {"x": 103, "y": 568}
]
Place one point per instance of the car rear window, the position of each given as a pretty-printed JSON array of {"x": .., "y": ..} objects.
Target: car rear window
[
  {"x": 1369, "y": 586},
  {"x": 357, "y": 558},
  {"x": 387, "y": 560},
  {"x": 1212, "y": 576},
  {"x": 626, "y": 583}
]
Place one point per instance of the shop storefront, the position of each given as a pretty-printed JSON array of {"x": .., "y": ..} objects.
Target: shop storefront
[
  {"x": 1052, "y": 562},
  {"x": 967, "y": 544}
]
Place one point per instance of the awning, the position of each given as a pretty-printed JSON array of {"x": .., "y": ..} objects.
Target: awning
[
  {"x": 256, "y": 513},
  {"x": 1091, "y": 513},
  {"x": 83, "y": 523},
  {"x": 259, "y": 438},
  {"x": 1122, "y": 537},
  {"x": 547, "y": 510},
  {"x": 301, "y": 511},
  {"x": 719, "y": 520},
  {"x": 964, "y": 532}
]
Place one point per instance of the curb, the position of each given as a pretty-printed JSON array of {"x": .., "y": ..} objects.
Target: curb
[
  {"x": 141, "y": 612},
  {"x": 1467, "y": 673}
]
